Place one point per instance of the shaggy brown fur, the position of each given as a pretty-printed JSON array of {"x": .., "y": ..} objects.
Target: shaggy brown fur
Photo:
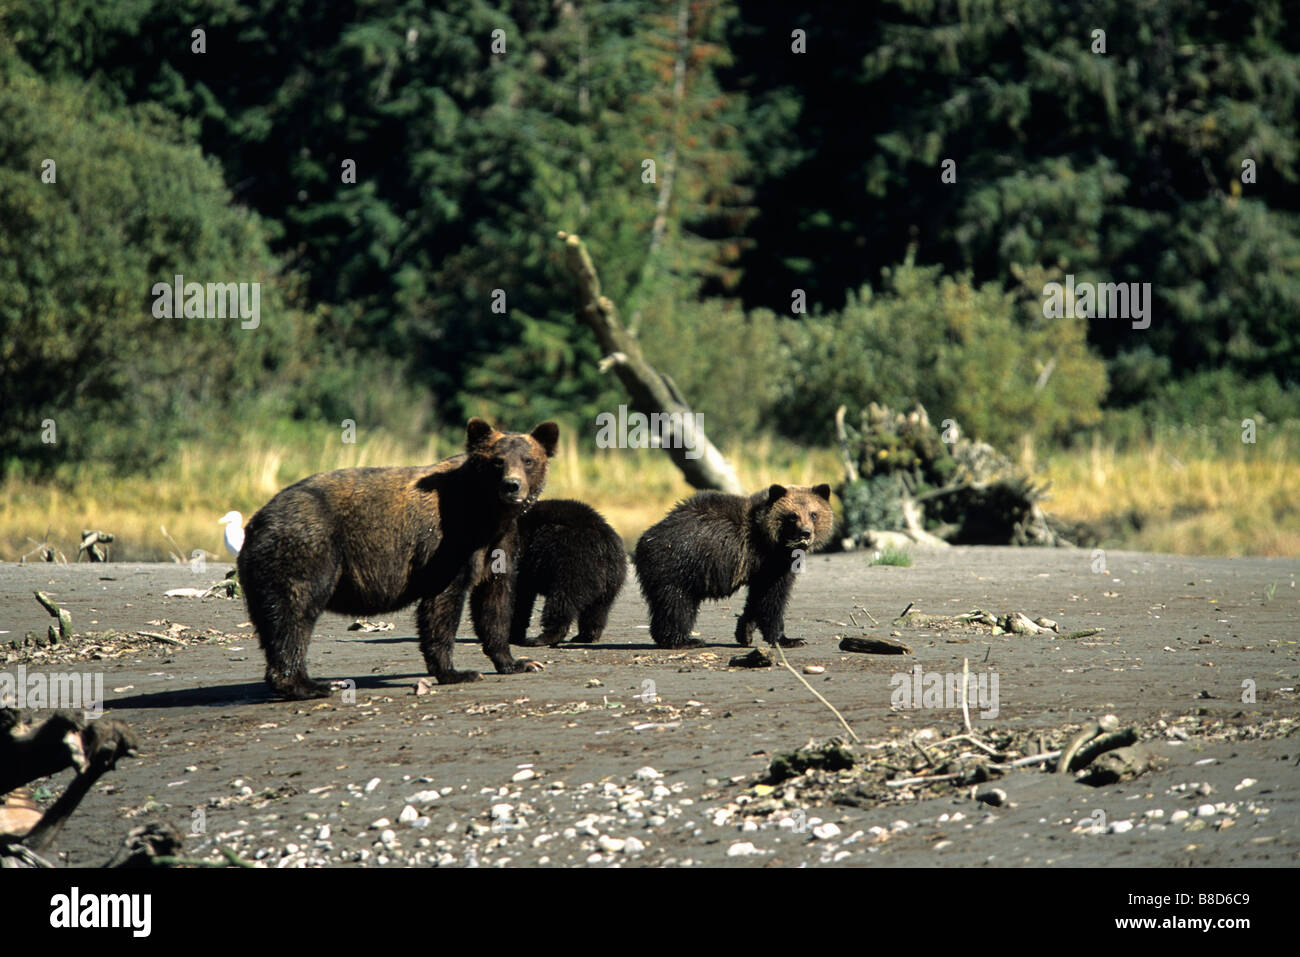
[
  {"x": 569, "y": 554},
  {"x": 370, "y": 540},
  {"x": 712, "y": 543}
]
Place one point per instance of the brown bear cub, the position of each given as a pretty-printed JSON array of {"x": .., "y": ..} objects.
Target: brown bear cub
[
  {"x": 569, "y": 554},
  {"x": 712, "y": 543},
  {"x": 369, "y": 540}
]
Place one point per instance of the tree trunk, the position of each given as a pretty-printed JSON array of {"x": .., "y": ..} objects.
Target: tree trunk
[{"x": 649, "y": 390}]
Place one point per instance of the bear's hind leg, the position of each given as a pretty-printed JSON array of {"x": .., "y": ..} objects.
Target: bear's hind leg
[
  {"x": 672, "y": 616},
  {"x": 744, "y": 631},
  {"x": 523, "y": 614},
  {"x": 557, "y": 616},
  {"x": 592, "y": 621},
  {"x": 284, "y": 625}
]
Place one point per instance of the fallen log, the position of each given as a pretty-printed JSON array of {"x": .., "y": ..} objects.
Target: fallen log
[
  {"x": 651, "y": 392},
  {"x": 62, "y": 741},
  {"x": 868, "y": 645}
]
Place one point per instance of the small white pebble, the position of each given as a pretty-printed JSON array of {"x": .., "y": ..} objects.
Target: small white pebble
[
  {"x": 372, "y": 784},
  {"x": 742, "y": 849}
]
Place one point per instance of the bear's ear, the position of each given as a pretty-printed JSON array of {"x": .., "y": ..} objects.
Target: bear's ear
[
  {"x": 547, "y": 435},
  {"x": 774, "y": 493},
  {"x": 476, "y": 432},
  {"x": 822, "y": 491}
]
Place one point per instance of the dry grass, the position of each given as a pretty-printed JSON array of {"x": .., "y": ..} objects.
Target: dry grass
[
  {"x": 1190, "y": 492},
  {"x": 631, "y": 487},
  {"x": 1187, "y": 493}
]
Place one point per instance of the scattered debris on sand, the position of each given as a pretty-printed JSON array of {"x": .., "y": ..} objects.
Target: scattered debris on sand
[
  {"x": 905, "y": 769},
  {"x": 365, "y": 624},
  {"x": 1012, "y": 623},
  {"x": 102, "y": 645}
]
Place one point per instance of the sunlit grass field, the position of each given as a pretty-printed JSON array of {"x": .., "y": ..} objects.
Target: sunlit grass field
[
  {"x": 200, "y": 483},
  {"x": 1191, "y": 491}
]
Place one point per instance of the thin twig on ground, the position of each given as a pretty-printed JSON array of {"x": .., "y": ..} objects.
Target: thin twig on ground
[
  {"x": 840, "y": 717},
  {"x": 965, "y": 704}
]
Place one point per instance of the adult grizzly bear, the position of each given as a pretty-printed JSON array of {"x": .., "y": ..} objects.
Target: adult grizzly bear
[
  {"x": 569, "y": 554},
  {"x": 369, "y": 540},
  {"x": 712, "y": 543}
]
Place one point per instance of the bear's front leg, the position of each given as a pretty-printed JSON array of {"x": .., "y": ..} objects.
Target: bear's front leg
[
  {"x": 436, "y": 619},
  {"x": 765, "y": 607},
  {"x": 491, "y": 609}
]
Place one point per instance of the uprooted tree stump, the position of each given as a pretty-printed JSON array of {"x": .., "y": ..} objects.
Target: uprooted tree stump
[
  {"x": 905, "y": 479},
  {"x": 651, "y": 391}
]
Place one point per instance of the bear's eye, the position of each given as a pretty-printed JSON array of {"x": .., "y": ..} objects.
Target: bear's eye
[
  {"x": 812, "y": 516},
  {"x": 529, "y": 462},
  {"x": 498, "y": 463}
]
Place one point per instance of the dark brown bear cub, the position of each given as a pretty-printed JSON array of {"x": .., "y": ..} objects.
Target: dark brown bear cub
[
  {"x": 569, "y": 554},
  {"x": 712, "y": 543},
  {"x": 370, "y": 540}
]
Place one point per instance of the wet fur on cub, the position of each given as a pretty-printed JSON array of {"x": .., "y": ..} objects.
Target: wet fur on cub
[
  {"x": 712, "y": 543},
  {"x": 570, "y": 555}
]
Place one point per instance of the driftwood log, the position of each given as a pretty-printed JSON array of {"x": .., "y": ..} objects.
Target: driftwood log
[
  {"x": 28, "y": 753},
  {"x": 650, "y": 391},
  {"x": 93, "y": 545}
]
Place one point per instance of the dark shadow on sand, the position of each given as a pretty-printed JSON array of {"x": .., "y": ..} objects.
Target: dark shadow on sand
[{"x": 258, "y": 693}]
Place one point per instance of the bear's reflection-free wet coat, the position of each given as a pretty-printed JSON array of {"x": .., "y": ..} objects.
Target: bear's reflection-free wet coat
[{"x": 370, "y": 540}]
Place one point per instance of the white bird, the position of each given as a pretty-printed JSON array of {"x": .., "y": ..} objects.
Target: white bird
[{"x": 234, "y": 523}]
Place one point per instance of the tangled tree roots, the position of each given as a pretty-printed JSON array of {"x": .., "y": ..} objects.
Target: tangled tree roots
[{"x": 904, "y": 477}]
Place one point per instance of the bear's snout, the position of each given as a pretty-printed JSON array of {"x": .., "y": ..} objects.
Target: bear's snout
[
  {"x": 796, "y": 532},
  {"x": 509, "y": 489}
]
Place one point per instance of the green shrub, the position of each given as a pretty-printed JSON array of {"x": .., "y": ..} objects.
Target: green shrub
[{"x": 983, "y": 357}]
